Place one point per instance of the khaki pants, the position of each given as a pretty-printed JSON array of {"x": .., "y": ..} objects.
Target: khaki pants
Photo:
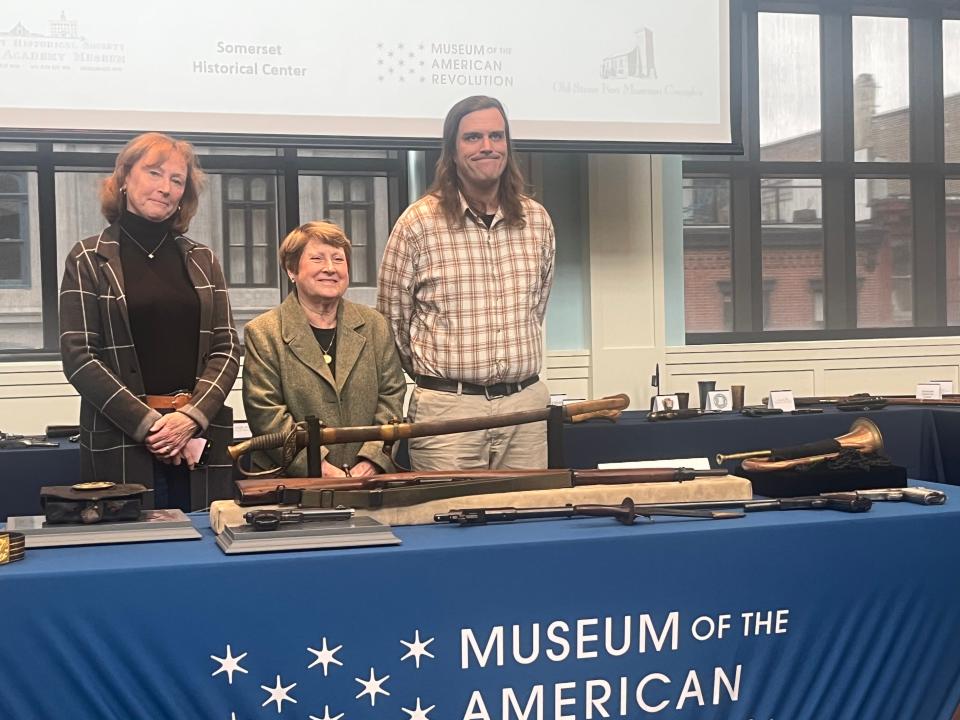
[{"x": 517, "y": 447}]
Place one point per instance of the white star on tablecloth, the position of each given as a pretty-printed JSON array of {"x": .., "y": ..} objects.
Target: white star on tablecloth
[
  {"x": 417, "y": 649},
  {"x": 372, "y": 686},
  {"x": 278, "y": 694},
  {"x": 229, "y": 665},
  {"x": 325, "y": 656},
  {"x": 418, "y": 713},
  {"x": 326, "y": 715}
]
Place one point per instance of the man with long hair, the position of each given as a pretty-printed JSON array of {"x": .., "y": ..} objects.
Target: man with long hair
[{"x": 464, "y": 282}]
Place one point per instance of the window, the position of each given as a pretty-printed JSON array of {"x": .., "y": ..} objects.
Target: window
[
  {"x": 952, "y": 207},
  {"x": 51, "y": 191},
  {"x": 14, "y": 231},
  {"x": 881, "y": 89},
  {"x": 845, "y": 203},
  {"x": 792, "y": 243},
  {"x": 349, "y": 203},
  {"x": 249, "y": 230},
  {"x": 21, "y": 303},
  {"x": 884, "y": 231},
  {"x": 706, "y": 255},
  {"x": 951, "y": 90},
  {"x": 789, "y": 54},
  {"x": 359, "y": 204}
]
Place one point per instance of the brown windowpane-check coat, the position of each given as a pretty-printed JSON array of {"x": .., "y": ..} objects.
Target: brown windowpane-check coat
[{"x": 100, "y": 361}]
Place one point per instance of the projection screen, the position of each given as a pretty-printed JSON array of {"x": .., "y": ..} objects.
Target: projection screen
[{"x": 614, "y": 74}]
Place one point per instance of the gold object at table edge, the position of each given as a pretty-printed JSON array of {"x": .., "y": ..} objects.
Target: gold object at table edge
[
  {"x": 96, "y": 485},
  {"x": 12, "y": 547}
]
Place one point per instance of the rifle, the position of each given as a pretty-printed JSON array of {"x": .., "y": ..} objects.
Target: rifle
[
  {"x": 298, "y": 438},
  {"x": 865, "y": 401},
  {"x": 682, "y": 414},
  {"x": 290, "y": 490},
  {"x": 628, "y": 511}
]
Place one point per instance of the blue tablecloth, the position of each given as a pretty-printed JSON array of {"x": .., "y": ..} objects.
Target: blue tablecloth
[{"x": 787, "y": 615}]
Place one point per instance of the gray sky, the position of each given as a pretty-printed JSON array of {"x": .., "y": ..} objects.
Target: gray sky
[{"x": 790, "y": 68}]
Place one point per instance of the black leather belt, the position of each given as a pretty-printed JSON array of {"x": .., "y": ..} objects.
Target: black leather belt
[
  {"x": 12, "y": 547},
  {"x": 490, "y": 391}
]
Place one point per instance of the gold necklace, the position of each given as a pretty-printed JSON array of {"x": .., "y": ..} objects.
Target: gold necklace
[
  {"x": 149, "y": 254},
  {"x": 326, "y": 350}
]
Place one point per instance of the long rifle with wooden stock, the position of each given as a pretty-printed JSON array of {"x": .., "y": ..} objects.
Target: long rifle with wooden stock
[
  {"x": 438, "y": 484},
  {"x": 294, "y": 441},
  {"x": 864, "y": 401},
  {"x": 628, "y": 511}
]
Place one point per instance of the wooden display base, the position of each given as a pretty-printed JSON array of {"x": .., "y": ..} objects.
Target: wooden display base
[{"x": 227, "y": 512}]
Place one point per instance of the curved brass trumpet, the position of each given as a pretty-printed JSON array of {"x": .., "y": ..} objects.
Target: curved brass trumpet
[{"x": 863, "y": 435}]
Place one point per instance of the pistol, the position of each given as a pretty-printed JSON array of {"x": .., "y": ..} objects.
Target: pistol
[
  {"x": 916, "y": 495},
  {"x": 272, "y": 519}
]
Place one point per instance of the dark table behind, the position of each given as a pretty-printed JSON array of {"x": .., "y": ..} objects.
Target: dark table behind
[
  {"x": 910, "y": 437},
  {"x": 24, "y": 471}
]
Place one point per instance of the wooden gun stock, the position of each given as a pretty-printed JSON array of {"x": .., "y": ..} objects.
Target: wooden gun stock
[{"x": 256, "y": 491}]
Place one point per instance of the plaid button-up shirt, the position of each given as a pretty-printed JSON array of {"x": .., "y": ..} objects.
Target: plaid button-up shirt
[{"x": 467, "y": 303}]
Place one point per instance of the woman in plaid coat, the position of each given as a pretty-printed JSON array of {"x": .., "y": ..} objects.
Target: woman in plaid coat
[{"x": 146, "y": 333}]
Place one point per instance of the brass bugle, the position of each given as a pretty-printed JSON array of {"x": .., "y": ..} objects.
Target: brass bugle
[
  {"x": 721, "y": 458},
  {"x": 863, "y": 435}
]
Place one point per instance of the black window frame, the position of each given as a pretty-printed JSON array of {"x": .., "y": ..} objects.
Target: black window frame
[
  {"x": 22, "y": 199},
  {"x": 248, "y": 205},
  {"x": 837, "y": 171},
  {"x": 347, "y": 206},
  {"x": 46, "y": 159}
]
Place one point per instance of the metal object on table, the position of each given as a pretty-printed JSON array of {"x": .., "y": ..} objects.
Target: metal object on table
[
  {"x": 22, "y": 442},
  {"x": 13, "y": 547},
  {"x": 628, "y": 511},
  {"x": 917, "y": 495},
  {"x": 737, "y": 392},
  {"x": 863, "y": 435},
  {"x": 272, "y": 519},
  {"x": 658, "y": 415},
  {"x": 705, "y": 386}
]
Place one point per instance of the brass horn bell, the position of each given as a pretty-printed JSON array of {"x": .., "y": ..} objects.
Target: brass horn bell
[{"x": 863, "y": 435}]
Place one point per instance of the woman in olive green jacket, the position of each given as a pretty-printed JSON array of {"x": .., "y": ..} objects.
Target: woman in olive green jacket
[{"x": 320, "y": 354}]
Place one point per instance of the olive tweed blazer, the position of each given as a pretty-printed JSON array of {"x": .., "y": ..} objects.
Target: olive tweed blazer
[
  {"x": 285, "y": 379},
  {"x": 100, "y": 361}
]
